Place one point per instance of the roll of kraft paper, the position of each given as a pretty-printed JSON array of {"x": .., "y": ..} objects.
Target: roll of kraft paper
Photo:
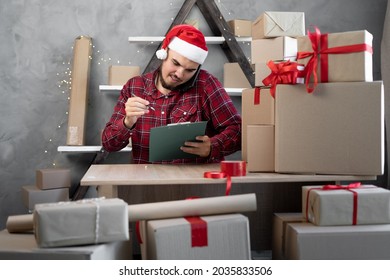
[
  {"x": 20, "y": 223},
  {"x": 193, "y": 207},
  {"x": 164, "y": 210}
]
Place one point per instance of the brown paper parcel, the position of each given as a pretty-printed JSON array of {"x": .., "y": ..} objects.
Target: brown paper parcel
[{"x": 89, "y": 221}]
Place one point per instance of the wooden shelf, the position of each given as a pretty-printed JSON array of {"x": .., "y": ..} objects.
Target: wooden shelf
[
  {"x": 213, "y": 40},
  {"x": 107, "y": 89},
  {"x": 85, "y": 149}
]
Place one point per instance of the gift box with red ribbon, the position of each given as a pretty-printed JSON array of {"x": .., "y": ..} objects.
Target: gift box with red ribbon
[
  {"x": 196, "y": 237},
  {"x": 336, "y": 57},
  {"x": 353, "y": 204}
]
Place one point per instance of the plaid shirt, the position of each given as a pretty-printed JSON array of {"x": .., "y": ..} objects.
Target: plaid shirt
[{"x": 206, "y": 100}]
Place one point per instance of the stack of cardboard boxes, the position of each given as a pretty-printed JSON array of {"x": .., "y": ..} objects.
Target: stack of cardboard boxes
[
  {"x": 329, "y": 121},
  {"x": 273, "y": 39},
  {"x": 51, "y": 185},
  {"x": 346, "y": 222},
  {"x": 233, "y": 76},
  {"x": 332, "y": 123}
]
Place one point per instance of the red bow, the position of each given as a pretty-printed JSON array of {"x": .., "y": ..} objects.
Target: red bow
[
  {"x": 282, "y": 73},
  {"x": 340, "y": 187}
]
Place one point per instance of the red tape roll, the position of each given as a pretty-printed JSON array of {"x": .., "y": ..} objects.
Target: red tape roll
[
  {"x": 234, "y": 168},
  {"x": 228, "y": 169}
]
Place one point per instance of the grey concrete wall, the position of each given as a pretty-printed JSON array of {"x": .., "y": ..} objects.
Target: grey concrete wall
[{"x": 36, "y": 39}]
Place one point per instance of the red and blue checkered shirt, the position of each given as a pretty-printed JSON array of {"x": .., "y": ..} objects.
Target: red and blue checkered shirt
[{"x": 206, "y": 100}]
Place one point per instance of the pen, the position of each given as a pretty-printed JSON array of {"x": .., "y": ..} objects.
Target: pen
[{"x": 149, "y": 107}]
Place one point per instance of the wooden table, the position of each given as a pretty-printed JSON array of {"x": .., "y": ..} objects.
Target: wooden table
[
  {"x": 109, "y": 176},
  {"x": 275, "y": 193}
]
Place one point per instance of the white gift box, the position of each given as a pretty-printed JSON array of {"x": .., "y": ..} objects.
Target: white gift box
[
  {"x": 89, "y": 221},
  {"x": 345, "y": 205},
  {"x": 227, "y": 237}
]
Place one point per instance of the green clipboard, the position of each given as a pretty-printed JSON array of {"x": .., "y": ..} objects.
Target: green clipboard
[{"x": 165, "y": 141}]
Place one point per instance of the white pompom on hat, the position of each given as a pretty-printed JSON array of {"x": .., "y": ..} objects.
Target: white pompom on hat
[{"x": 185, "y": 40}]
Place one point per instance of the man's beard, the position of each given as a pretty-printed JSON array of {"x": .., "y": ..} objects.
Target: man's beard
[{"x": 163, "y": 83}]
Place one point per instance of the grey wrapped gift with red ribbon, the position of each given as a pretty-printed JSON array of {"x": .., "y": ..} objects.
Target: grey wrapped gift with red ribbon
[{"x": 354, "y": 204}]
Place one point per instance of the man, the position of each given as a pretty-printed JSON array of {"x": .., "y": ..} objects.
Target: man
[{"x": 178, "y": 91}]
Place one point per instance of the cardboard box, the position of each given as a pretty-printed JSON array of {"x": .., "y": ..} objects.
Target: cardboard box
[
  {"x": 305, "y": 241},
  {"x": 279, "y": 48},
  {"x": 241, "y": 27},
  {"x": 82, "y": 52},
  {"x": 52, "y": 178},
  {"x": 89, "y": 221},
  {"x": 120, "y": 74},
  {"x": 227, "y": 237},
  {"x": 32, "y": 195},
  {"x": 328, "y": 206},
  {"x": 279, "y": 224},
  {"x": 349, "y": 67},
  {"x": 261, "y": 148},
  {"x": 276, "y": 24},
  {"x": 255, "y": 114},
  {"x": 234, "y": 77},
  {"x": 24, "y": 247},
  {"x": 338, "y": 129},
  {"x": 261, "y": 71}
]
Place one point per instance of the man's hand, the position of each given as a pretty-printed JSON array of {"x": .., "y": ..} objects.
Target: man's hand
[
  {"x": 201, "y": 148},
  {"x": 135, "y": 107}
]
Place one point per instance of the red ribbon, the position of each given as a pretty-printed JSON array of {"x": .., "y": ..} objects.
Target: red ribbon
[
  {"x": 138, "y": 232},
  {"x": 256, "y": 100},
  {"x": 282, "y": 73},
  {"x": 228, "y": 169},
  {"x": 199, "y": 237},
  {"x": 349, "y": 187},
  {"x": 320, "y": 48},
  {"x": 256, "y": 96}
]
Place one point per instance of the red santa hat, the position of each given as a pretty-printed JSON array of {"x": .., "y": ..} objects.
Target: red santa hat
[{"x": 185, "y": 40}]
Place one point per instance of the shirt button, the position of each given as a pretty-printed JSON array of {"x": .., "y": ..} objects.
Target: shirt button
[
  {"x": 185, "y": 113},
  {"x": 166, "y": 96},
  {"x": 162, "y": 112}
]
